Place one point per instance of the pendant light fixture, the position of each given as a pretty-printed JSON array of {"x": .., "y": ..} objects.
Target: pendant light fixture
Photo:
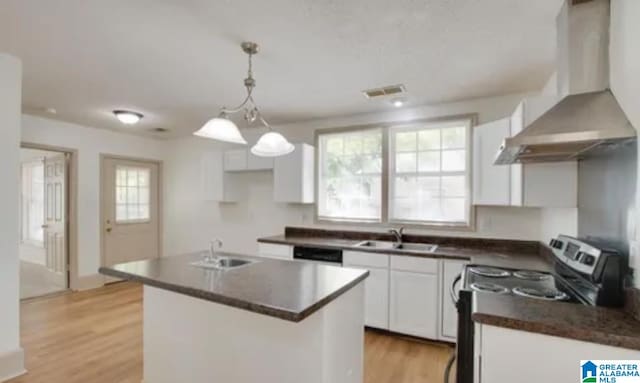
[{"x": 270, "y": 144}]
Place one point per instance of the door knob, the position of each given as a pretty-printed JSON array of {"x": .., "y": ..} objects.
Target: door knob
[
  {"x": 45, "y": 226},
  {"x": 108, "y": 230}
]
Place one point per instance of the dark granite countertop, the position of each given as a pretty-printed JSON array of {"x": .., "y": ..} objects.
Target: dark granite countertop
[
  {"x": 497, "y": 257},
  {"x": 283, "y": 289},
  {"x": 606, "y": 326}
]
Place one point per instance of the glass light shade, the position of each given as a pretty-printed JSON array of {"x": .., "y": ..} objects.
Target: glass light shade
[
  {"x": 272, "y": 144},
  {"x": 221, "y": 129},
  {"x": 127, "y": 117}
]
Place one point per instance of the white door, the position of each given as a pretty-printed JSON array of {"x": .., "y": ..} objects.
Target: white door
[
  {"x": 130, "y": 198},
  {"x": 55, "y": 220},
  {"x": 414, "y": 304}
]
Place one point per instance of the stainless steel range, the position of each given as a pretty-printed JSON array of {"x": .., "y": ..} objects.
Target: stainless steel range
[{"x": 585, "y": 271}]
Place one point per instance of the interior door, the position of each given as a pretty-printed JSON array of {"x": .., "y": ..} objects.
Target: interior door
[
  {"x": 130, "y": 192},
  {"x": 54, "y": 228}
]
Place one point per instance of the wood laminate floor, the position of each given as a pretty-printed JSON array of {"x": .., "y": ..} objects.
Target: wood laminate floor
[{"x": 96, "y": 337}]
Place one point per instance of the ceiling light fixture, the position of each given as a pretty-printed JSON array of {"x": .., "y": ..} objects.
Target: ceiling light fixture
[
  {"x": 127, "y": 117},
  {"x": 270, "y": 144},
  {"x": 398, "y": 102}
]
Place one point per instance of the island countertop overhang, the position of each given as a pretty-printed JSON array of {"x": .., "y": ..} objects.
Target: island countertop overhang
[{"x": 287, "y": 290}]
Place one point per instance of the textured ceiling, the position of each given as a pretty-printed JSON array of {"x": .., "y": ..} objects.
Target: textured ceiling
[{"x": 179, "y": 61}]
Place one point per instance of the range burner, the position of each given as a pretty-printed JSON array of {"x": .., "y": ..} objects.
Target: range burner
[
  {"x": 489, "y": 288},
  {"x": 491, "y": 272},
  {"x": 531, "y": 275},
  {"x": 544, "y": 294}
]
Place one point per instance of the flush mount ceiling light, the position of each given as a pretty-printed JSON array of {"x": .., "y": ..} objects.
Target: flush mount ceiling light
[
  {"x": 398, "y": 102},
  {"x": 271, "y": 144},
  {"x": 127, "y": 117}
]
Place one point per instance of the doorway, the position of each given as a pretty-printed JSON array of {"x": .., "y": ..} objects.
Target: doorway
[
  {"x": 130, "y": 211},
  {"x": 44, "y": 201}
]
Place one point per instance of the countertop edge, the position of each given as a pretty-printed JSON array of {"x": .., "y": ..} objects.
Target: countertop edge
[
  {"x": 585, "y": 335},
  {"x": 260, "y": 309},
  {"x": 436, "y": 254}
]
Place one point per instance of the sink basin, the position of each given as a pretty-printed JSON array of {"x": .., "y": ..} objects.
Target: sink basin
[
  {"x": 377, "y": 244},
  {"x": 408, "y": 247},
  {"x": 417, "y": 247},
  {"x": 223, "y": 263}
]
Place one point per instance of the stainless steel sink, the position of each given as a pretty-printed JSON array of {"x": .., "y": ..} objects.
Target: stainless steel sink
[
  {"x": 377, "y": 244},
  {"x": 223, "y": 263},
  {"x": 408, "y": 247},
  {"x": 417, "y": 247}
]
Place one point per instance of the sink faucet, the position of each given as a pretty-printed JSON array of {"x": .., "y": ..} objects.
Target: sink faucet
[
  {"x": 212, "y": 256},
  {"x": 398, "y": 234}
]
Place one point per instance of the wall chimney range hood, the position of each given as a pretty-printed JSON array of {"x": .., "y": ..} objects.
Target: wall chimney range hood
[{"x": 587, "y": 120}]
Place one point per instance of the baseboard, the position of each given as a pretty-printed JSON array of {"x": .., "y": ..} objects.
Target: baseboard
[
  {"x": 11, "y": 364},
  {"x": 88, "y": 282}
]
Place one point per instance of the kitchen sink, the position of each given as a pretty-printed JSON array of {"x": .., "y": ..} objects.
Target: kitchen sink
[
  {"x": 377, "y": 244},
  {"x": 417, "y": 247},
  {"x": 223, "y": 263},
  {"x": 408, "y": 247}
]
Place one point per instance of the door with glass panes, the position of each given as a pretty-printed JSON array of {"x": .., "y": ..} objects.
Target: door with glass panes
[{"x": 130, "y": 213}]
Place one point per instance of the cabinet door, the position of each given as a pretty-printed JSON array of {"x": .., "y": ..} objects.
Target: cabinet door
[
  {"x": 258, "y": 163},
  {"x": 414, "y": 304},
  {"x": 491, "y": 183},
  {"x": 449, "y": 318},
  {"x": 377, "y": 299},
  {"x": 271, "y": 250},
  {"x": 293, "y": 176},
  {"x": 235, "y": 160}
]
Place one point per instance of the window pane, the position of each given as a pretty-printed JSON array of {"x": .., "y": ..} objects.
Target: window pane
[
  {"x": 453, "y": 160},
  {"x": 429, "y": 139},
  {"x": 406, "y": 162},
  {"x": 453, "y": 186},
  {"x": 406, "y": 142},
  {"x": 133, "y": 193},
  {"x": 350, "y": 184},
  {"x": 453, "y": 138},
  {"x": 429, "y": 161},
  {"x": 453, "y": 209}
]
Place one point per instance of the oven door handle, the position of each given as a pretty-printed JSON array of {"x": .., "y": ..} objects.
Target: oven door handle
[{"x": 452, "y": 289}]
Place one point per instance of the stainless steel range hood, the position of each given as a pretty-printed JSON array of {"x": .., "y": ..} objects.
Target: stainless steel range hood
[{"x": 588, "y": 119}]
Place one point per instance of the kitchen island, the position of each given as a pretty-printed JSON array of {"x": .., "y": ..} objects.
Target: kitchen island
[{"x": 266, "y": 321}]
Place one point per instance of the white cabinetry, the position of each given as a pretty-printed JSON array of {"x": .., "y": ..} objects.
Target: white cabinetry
[
  {"x": 217, "y": 185},
  {"x": 293, "y": 176},
  {"x": 272, "y": 250},
  {"x": 552, "y": 184},
  {"x": 558, "y": 358},
  {"x": 449, "y": 317},
  {"x": 376, "y": 285},
  {"x": 239, "y": 160},
  {"x": 414, "y": 296}
]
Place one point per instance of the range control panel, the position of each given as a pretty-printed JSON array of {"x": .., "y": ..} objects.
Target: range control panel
[{"x": 577, "y": 254}]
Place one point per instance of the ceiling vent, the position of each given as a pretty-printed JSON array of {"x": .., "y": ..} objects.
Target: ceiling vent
[{"x": 391, "y": 90}]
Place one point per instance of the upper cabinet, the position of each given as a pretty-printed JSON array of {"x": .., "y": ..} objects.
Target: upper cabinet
[
  {"x": 553, "y": 184},
  {"x": 240, "y": 160},
  {"x": 294, "y": 176}
]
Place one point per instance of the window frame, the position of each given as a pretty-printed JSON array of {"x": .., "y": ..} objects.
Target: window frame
[
  {"x": 385, "y": 221},
  {"x": 128, "y": 221}
]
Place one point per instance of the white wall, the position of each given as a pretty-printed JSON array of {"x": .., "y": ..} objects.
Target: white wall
[
  {"x": 191, "y": 221},
  {"x": 89, "y": 143},
  {"x": 625, "y": 76},
  {"x": 11, "y": 357}
]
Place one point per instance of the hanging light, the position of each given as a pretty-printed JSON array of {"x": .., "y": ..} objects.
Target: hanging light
[{"x": 270, "y": 144}]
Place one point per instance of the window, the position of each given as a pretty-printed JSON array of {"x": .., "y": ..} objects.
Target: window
[
  {"x": 427, "y": 179},
  {"x": 350, "y": 176},
  {"x": 132, "y": 194},
  {"x": 33, "y": 202}
]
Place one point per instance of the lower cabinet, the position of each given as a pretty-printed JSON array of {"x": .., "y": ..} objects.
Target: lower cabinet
[
  {"x": 376, "y": 286},
  {"x": 271, "y": 250},
  {"x": 413, "y": 304},
  {"x": 449, "y": 318}
]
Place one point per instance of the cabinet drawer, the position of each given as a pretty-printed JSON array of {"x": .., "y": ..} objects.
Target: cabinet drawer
[
  {"x": 358, "y": 258},
  {"x": 414, "y": 264},
  {"x": 275, "y": 251}
]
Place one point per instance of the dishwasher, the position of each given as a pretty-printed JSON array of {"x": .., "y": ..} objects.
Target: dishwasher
[{"x": 318, "y": 255}]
